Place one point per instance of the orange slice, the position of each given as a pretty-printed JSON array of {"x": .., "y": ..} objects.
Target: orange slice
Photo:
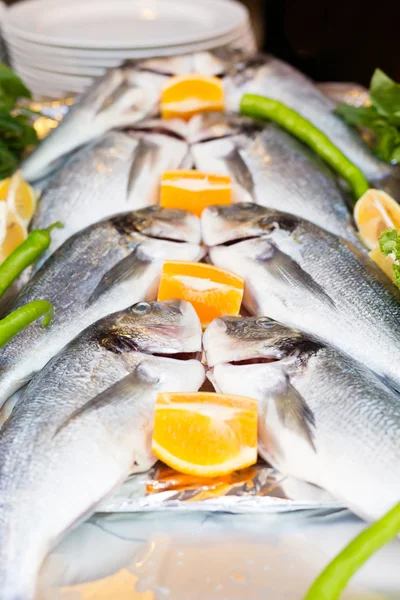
[
  {"x": 375, "y": 212},
  {"x": 205, "y": 434},
  {"x": 194, "y": 190},
  {"x": 183, "y": 96},
  {"x": 212, "y": 291},
  {"x": 12, "y": 231},
  {"x": 384, "y": 262},
  {"x": 20, "y": 197}
]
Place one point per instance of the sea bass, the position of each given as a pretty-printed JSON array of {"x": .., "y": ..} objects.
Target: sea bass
[
  {"x": 83, "y": 424},
  {"x": 270, "y": 167},
  {"x": 96, "y": 272},
  {"x": 323, "y": 417},
  {"x": 309, "y": 279},
  {"x": 119, "y": 172},
  {"x": 120, "y": 98},
  {"x": 268, "y": 76}
]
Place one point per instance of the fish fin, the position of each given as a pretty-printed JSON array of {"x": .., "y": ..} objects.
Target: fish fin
[
  {"x": 144, "y": 155},
  {"x": 133, "y": 264},
  {"x": 283, "y": 267},
  {"x": 121, "y": 391},
  {"x": 240, "y": 171},
  {"x": 390, "y": 383},
  {"x": 294, "y": 412},
  {"x": 111, "y": 98}
]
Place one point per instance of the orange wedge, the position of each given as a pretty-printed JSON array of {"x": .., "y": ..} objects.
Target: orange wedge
[
  {"x": 194, "y": 190},
  {"x": 19, "y": 196},
  {"x": 212, "y": 291},
  {"x": 384, "y": 262},
  {"x": 205, "y": 434},
  {"x": 12, "y": 231},
  {"x": 375, "y": 212},
  {"x": 183, "y": 96}
]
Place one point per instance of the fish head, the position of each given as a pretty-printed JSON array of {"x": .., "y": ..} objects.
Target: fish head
[
  {"x": 167, "y": 223},
  {"x": 249, "y": 340},
  {"x": 169, "y": 374},
  {"x": 161, "y": 328},
  {"x": 228, "y": 223},
  {"x": 262, "y": 359}
]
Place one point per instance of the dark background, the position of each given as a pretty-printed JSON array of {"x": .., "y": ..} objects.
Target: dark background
[
  {"x": 330, "y": 40},
  {"x": 335, "y": 40}
]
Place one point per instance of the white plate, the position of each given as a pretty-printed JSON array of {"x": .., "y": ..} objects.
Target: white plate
[
  {"x": 138, "y": 23},
  {"x": 54, "y": 52},
  {"x": 90, "y": 67},
  {"x": 20, "y": 63},
  {"x": 49, "y": 77}
]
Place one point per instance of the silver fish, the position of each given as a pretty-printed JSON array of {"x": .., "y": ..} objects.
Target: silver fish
[
  {"x": 96, "y": 272},
  {"x": 272, "y": 168},
  {"x": 120, "y": 98},
  {"x": 323, "y": 417},
  {"x": 83, "y": 425},
  {"x": 309, "y": 279},
  {"x": 269, "y": 76},
  {"x": 117, "y": 173}
]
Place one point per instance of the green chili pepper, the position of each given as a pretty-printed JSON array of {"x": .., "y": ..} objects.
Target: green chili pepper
[
  {"x": 332, "y": 581},
  {"x": 24, "y": 316},
  {"x": 35, "y": 244},
  {"x": 266, "y": 108}
]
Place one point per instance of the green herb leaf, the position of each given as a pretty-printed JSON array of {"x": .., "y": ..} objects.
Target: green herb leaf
[
  {"x": 389, "y": 244},
  {"x": 11, "y": 85},
  {"x": 382, "y": 118},
  {"x": 364, "y": 116},
  {"x": 385, "y": 96}
]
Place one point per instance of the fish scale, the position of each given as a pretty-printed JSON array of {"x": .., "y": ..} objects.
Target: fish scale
[
  {"x": 307, "y": 278},
  {"x": 117, "y": 173},
  {"x": 275, "y": 170},
  {"x": 96, "y": 272},
  {"x": 332, "y": 423},
  {"x": 69, "y": 459}
]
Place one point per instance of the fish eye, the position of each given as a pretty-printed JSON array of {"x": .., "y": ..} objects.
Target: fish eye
[
  {"x": 141, "y": 308},
  {"x": 265, "y": 323}
]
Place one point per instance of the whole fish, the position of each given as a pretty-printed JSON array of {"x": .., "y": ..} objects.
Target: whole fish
[
  {"x": 323, "y": 417},
  {"x": 309, "y": 279},
  {"x": 119, "y": 172},
  {"x": 83, "y": 424},
  {"x": 269, "y": 76},
  {"x": 96, "y": 272},
  {"x": 272, "y": 168},
  {"x": 120, "y": 98}
]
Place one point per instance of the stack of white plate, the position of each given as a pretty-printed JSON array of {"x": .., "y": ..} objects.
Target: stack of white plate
[{"x": 58, "y": 47}]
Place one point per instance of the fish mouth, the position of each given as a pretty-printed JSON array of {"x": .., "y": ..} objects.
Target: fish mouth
[
  {"x": 182, "y": 356},
  {"x": 255, "y": 360},
  {"x": 219, "y": 230}
]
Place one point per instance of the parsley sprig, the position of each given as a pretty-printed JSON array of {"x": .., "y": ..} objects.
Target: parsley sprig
[
  {"x": 389, "y": 244},
  {"x": 382, "y": 117},
  {"x": 16, "y": 130}
]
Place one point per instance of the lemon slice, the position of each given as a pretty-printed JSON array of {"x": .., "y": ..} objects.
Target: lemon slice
[
  {"x": 205, "y": 434},
  {"x": 19, "y": 196},
  {"x": 375, "y": 212}
]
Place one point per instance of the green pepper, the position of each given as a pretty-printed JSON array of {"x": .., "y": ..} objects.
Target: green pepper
[
  {"x": 24, "y": 316},
  {"x": 35, "y": 244},
  {"x": 266, "y": 108},
  {"x": 332, "y": 581}
]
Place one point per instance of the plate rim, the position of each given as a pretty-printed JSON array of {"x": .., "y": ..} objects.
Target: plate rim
[{"x": 14, "y": 12}]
